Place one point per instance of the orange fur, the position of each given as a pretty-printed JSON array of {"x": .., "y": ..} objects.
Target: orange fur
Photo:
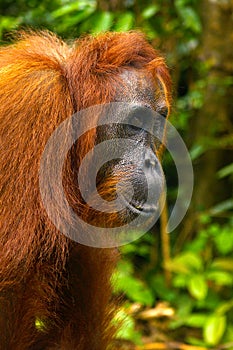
[{"x": 44, "y": 275}]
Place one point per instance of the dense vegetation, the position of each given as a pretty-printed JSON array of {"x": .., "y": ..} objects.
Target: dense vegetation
[{"x": 177, "y": 288}]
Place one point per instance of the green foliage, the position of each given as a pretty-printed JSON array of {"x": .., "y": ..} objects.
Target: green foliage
[
  {"x": 202, "y": 282},
  {"x": 214, "y": 328},
  {"x": 127, "y": 329},
  {"x": 124, "y": 22},
  {"x": 150, "y": 11},
  {"x": 8, "y": 23},
  {"x": 188, "y": 15},
  {"x": 70, "y": 18},
  {"x": 197, "y": 287},
  {"x": 132, "y": 287},
  {"x": 226, "y": 171},
  {"x": 207, "y": 281}
]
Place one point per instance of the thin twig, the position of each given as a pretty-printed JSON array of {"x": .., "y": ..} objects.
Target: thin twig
[{"x": 165, "y": 238}]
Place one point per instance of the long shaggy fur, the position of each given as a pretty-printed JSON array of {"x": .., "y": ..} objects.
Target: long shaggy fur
[{"x": 54, "y": 293}]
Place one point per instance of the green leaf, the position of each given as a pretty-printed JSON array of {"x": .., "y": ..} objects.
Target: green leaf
[
  {"x": 102, "y": 21},
  {"x": 75, "y": 19},
  {"x": 221, "y": 207},
  {"x": 187, "y": 261},
  {"x": 67, "y": 9},
  {"x": 224, "y": 307},
  {"x": 150, "y": 11},
  {"x": 196, "y": 320},
  {"x": 214, "y": 329},
  {"x": 177, "y": 267},
  {"x": 227, "y": 170},
  {"x": 224, "y": 240},
  {"x": 223, "y": 263},
  {"x": 127, "y": 327},
  {"x": 197, "y": 287},
  {"x": 180, "y": 281},
  {"x": 124, "y": 22},
  {"x": 221, "y": 278},
  {"x": 8, "y": 23},
  {"x": 196, "y": 151},
  {"x": 190, "y": 18},
  {"x": 137, "y": 291},
  {"x": 134, "y": 289}
]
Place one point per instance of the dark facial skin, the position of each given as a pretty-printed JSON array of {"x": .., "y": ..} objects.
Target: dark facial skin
[{"x": 138, "y": 167}]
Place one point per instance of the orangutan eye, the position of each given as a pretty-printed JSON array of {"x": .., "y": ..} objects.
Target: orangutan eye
[
  {"x": 137, "y": 120},
  {"x": 141, "y": 117}
]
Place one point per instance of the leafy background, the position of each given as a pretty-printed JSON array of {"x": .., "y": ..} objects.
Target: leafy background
[{"x": 176, "y": 289}]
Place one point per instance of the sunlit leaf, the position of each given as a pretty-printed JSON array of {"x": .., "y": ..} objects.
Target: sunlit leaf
[
  {"x": 150, "y": 11},
  {"x": 75, "y": 19},
  {"x": 127, "y": 327},
  {"x": 224, "y": 240},
  {"x": 190, "y": 18},
  {"x": 66, "y": 9},
  {"x": 187, "y": 261},
  {"x": 227, "y": 170},
  {"x": 102, "y": 21},
  {"x": 225, "y": 307},
  {"x": 176, "y": 266},
  {"x": 133, "y": 288},
  {"x": 221, "y": 207},
  {"x": 221, "y": 278},
  {"x": 197, "y": 287},
  {"x": 223, "y": 263},
  {"x": 196, "y": 151},
  {"x": 180, "y": 281},
  {"x": 8, "y": 23},
  {"x": 124, "y": 22},
  {"x": 196, "y": 320},
  {"x": 214, "y": 329}
]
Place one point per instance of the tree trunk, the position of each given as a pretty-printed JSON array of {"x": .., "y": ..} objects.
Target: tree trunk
[
  {"x": 111, "y": 5},
  {"x": 213, "y": 123}
]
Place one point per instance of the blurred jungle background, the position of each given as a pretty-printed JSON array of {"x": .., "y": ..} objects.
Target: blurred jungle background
[{"x": 177, "y": 289}]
